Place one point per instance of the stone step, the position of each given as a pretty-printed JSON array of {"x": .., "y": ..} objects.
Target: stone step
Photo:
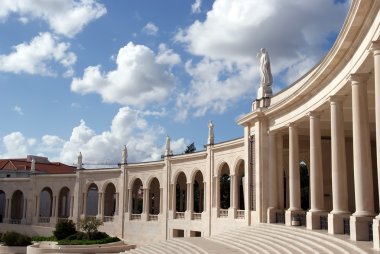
[{"x": 243, "y": 246}]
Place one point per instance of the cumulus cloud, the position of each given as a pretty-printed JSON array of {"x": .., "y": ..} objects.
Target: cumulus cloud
[
  {"x": 150, "y": 29},
  {"x": 66, "y": 17},
  {"x": 141, "y": 77},
  {"x": 196, "y": 6},
  {"x": 234, "y": 31},
  {"x": 15, "y": 145},
  {"x": 128, "y": 127},
  {"x": 38, "y": 56}
]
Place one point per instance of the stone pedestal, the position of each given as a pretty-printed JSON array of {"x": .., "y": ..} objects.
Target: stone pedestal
[
  {"x": 336, "y": 224},
  {"x": 359, "y": 228},
  {"x": 271, "y": 214},
  {"x": 231, "y": 213},
  {"x": 376, "y": 233},
  {"x": 290, "y": 217},
  {"x": 313, "y": 219}
]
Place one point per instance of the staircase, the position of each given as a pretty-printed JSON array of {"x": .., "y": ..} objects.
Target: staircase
[{"x": 261, "y": 238}]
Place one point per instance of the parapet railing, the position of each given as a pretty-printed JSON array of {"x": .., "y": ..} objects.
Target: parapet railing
[
  {"x": 240, "y": 214},
  {"x": 44, "y": 220},
  {"x": 135, "y": 216},
  {"x": 180, "y": 215},
  {"x": 153, "y": 217},
  {"x": 108, "y": 219},
  {"x": 197, "y": 216},
  {"x": 223, "y": 213}
]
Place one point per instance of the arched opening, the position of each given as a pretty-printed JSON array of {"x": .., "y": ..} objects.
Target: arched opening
[
  {"x": 198, "y": 193},
  {"x": 64, "y": 203},
  {"x": 110, "y": 200},
  {"x": 240, "y": 186},
  {"x": 181, "y": 193},
  {"x": 305, "y": 186},
  {"x": 92, "y": 200},
  {"x": 225, "y": 187},
  {"x": 17, "y": 207},
  {"x": 46, "y": 201},
  {"x": 2, "y": 206},
  {"x": 138, "y": 197},
  {"x": 154, "y": 197}
]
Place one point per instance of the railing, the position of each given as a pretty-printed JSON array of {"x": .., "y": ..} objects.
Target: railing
[
  {"x": 223, "y": 213},
  {"x": 323, "y": 222},
  {"x": 62, "y": 219},
  {"x": 44, "y": 219},
  {"x": 153, "y": 217},
  {"x": 240, "y": 214},
  {"x": 370, "y": 232},
  {"x": 280, "y": 217},
  {"x": 108, "y": 218},
  {"x": 346, "y": 226},
  {"x": 197, "y": 216},
  {"x": 14, "y": 221},
  {"x": 91, "y": 217},
  {"x": 299, "y": 219},
  {"x": 136, "y": 217},
  {"x": 180, "y": 215}
]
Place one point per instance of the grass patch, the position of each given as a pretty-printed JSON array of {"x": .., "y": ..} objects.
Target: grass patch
[
  {"x": 88, "y": 242},
  {"x": 44, "y": 238}
]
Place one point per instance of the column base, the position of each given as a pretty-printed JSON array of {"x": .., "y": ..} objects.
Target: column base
[
  {"x": 231, "y": 213},
  {"x": 336, "y": 224},
  {"x": 376, "y": 233},
  {"x": 271, "y": 214},
  {"x": 144, "y": 217},
  {"x": 359, "y": 228},
  {"x": 313, "y": 219},
  {"x": 292, "y": 218}
]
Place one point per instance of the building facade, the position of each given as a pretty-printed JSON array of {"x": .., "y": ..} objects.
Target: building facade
[{"x": 309, "y": 157}]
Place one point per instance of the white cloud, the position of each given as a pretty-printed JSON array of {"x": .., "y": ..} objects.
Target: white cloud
[
  {"x": 150, "y": 29},
  {"x": 294, "y": 32},
  {"x": 16, "y": 145},
  {"x": 196, "y": 6},
  {"x": 167, "y": 56},
  {"x": 38, "y": 56},
  {"x": 140, "y": 78},
  {"x": 128, "y": 127},
  {"x": 66, "y": 17},
  {"x": 18, "y": 109}
]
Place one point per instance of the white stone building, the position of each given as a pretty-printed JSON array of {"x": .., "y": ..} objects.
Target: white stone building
[{"x": 327, "y": 122}]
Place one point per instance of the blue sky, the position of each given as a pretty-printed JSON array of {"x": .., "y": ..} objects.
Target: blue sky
[{"x": 93, "y": 75}]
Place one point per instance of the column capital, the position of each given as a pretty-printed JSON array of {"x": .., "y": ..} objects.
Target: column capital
[
  {"x": 375, "y": 47},
  {"x": 314, "y": 114},
  {"x": 272, "y": 133},
  {"x": 358, "y": 78},
  {"x": 292, "y": 125},
  {"x": 336, "y": 98}
]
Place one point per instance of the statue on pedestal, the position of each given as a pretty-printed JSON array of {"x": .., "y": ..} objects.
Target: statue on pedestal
[
  {"x": 80, "y": 163},
  {"x": 210, "y": 140},
  {"x": 124, "y": 155},
  {"x": 265, "y": 89}
]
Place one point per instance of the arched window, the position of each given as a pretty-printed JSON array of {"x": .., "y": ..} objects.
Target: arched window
[
  {"x": 198, "y": 193},
  {"x": 110, "y": 200},
  {"x": 17, "y": 207},
  {"x": 92, "y": 200},
  {"x": 64, "y": 203},
  {"x": 225, "y": 187},
  {"x": 46, "y": 201},
  {"x": 2, "y": 206},
  {"x": 138, "y": 197},
  {"x": 154, "y": 197},
  {"x": 181, "y": 193}
]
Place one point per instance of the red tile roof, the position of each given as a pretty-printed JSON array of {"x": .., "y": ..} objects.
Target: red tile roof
[{"x": 46, "y": 167}]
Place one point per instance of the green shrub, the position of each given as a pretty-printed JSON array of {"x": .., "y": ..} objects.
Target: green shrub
[
  {"x": 98, "y": 235},
  {"x": 44, "y": 238},
  {"x": 64, "y": 228},
  {"x": 88, "y": 242},
  {"x": 78, "y": 236},
  {"x": 11, "y": 238},
  {"x": 90, "y": 225}
]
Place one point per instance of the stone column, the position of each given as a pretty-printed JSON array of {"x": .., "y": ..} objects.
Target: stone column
[
  {"x": 375, "y": 48},
  {"x": 99, "y": 215},
  {"x": 117, "y": 203},
  {"x": 232, "y": 209},
  {"x": 217, "y": 194},
  {"x": 130, "y": 200},
  {"x": 7, "y": 210},
  {"x": 145, "y": 208},
  {"x": 338, "y": 168},
  {"x": 190, "y": 201},
  {"x": 272, "y": 179},
  {"x": 161, "y": 200},
  {"x": 316, "y": 173},
  {"x": 23, "y": 220},
  {"x": 362, "y": 160},
  {"x": 280, "y": 170},
  {"x": 38, "y": 208},
  {"x": 294, "y": 175},
  {"x": 84, "y": 200}
]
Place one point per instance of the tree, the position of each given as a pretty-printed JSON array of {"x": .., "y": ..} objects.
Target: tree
[
  {"x": 90, "y": 225},
  {"x": 190, "y": 148}
]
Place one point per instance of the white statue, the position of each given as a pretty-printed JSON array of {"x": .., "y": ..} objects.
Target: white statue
[
  {"x": 124, "y": 155},
  {"x": 167, "y": 146},
  {"x": 33, "y": 166},
  {"x": 79, "y": 164},
  {"x": 210, "y": 133},
  {"x": 265, "y": 89}
]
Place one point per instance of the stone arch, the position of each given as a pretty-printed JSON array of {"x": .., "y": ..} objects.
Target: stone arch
[
  {"x": 181, "y": 192},
  {"x": 92, "y": 200},
  {"x": 46, "y": 202},
  {"x": 2, "y": 205},
  {"x": 198, "y": 191},
  {"x": 137, "y": 196},
  {"x": 236, "y": 164},
  {"x": 154, "y": 197},
  {"x": 17, "y": 207},
  {"x": 109, "y": 199},
  {"x": 64, "y": 203},
  {"x": 220, "y": 165}
]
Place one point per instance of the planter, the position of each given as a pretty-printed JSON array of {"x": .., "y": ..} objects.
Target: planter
[{"x": 12, "y": 249}]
